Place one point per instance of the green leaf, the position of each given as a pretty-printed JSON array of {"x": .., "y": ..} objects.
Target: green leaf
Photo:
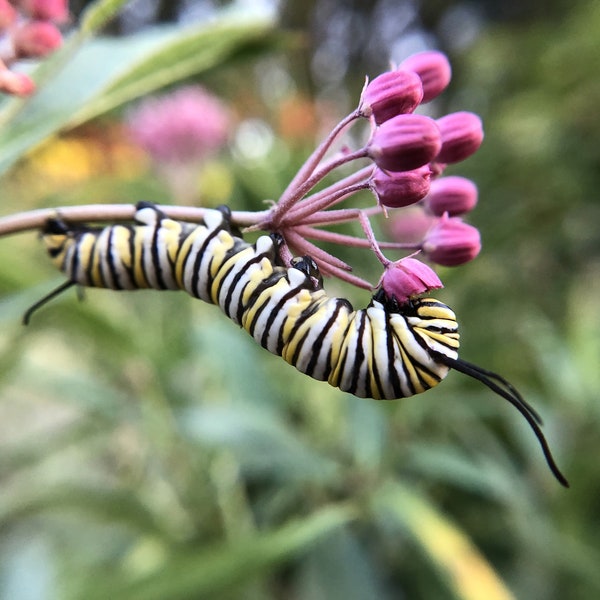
[
  {"x": 340, "y": 567},
  {"x": 98, "y": 14},
  {"x": 260, "y": 441},
  {"x": 108, "y": 505},
  {"x": 106, "y": 73},
  {"x": 466, "y": 573},
  {"x": 205, "y": 573}
]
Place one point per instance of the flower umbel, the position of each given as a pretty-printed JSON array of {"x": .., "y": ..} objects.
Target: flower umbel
[{"x": 408, "y": 153}]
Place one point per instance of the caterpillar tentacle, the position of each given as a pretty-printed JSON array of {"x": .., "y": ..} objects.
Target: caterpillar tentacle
[{"x": 384, "y": 351}]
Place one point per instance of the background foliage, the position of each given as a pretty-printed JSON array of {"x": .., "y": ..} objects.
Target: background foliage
[{"x": 149, "y": 449}]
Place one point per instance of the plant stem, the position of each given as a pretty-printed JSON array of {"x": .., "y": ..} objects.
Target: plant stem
[{"x": 36, "y": 219}]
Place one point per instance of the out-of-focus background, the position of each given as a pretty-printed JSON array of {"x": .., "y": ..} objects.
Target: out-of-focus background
[{"x": 150, "y": 449}]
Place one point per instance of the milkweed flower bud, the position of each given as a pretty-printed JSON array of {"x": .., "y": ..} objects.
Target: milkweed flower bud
[
  {"x": 395, "y": 190},
  {"x": 27, "y": 30},
  {"x": 462, "y": 134},
  {"x": 36, "y": 39},
  {"x": 390, "y": 94},
  {"x": 450, "y": 242},
  {"x": 404, "y": 143},
  {"x": 46, "y": 10},
  {"x": 8, "y": 15},
  {"x": 410, "y": 226},
  {"x": 408, "y": 277},
  {"x": 453, "y": 195},
  {"x": 434, "y": 70},
  {"x": 17, "y": 84}
]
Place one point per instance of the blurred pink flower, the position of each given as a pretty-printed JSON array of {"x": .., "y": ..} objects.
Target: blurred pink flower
[
  {"x": 35, "y": 39},
  {"x": 183, "y": 126},
  {"x": 410, "y": 225},
  {"x": 49, "y": 10}
]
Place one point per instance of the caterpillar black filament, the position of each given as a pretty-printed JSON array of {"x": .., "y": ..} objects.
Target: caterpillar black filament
[{"x": 385, "y": 351}]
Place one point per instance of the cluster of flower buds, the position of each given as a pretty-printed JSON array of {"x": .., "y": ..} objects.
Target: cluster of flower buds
[
  {"x": 409, "y": 153},
  {"x": 430, "y": 145},
  {"x": 28, "y": 29}
]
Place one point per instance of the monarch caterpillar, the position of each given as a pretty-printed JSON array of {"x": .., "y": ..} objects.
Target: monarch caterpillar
[{"x": 384, "y": 351}]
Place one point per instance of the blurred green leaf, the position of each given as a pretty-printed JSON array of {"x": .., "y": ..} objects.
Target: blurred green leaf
[
  {"x": 206, "y": 573},
  {"x": 459, "y": 564},
  {"x": 339, "y": 568},
  {"x": 259, "y": 440},
  {"x": 108, "y": 505}
]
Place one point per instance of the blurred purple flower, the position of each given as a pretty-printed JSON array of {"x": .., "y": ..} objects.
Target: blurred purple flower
[{"x": 184, "y": 126}]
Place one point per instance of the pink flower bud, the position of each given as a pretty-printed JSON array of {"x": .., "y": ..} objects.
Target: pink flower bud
[
  {"x": 7, "y": 15},
  {"x": 17, "y": 84},
  {"x": 462, "y": 134},
  {"x": 404, "y": 143},
  {"x": 46, "y": 10},
  {"x": 408, "y": 277},
  {"x": 409, "y": 226},
  {"x": 434, "y": 70},
  {"x": 390, "y": 94},
  {"x": 453, "y": 195},
  {"x": 450, "y": 242},
  {"x": 36, "y": 39},
  {"x": 395, "y": 190}
]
